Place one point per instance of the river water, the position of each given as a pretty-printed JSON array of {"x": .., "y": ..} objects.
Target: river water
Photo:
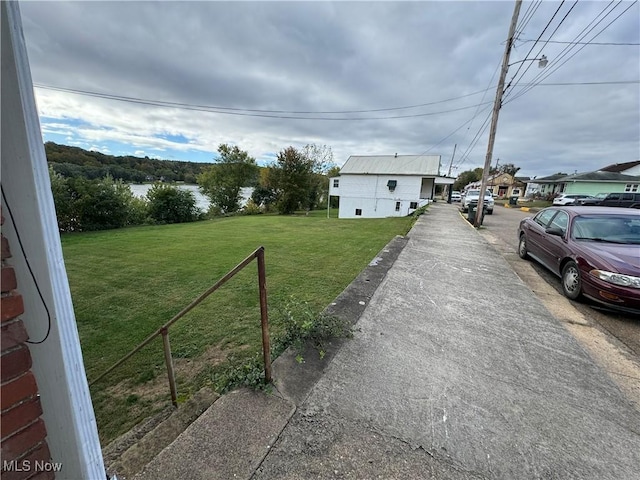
[{"x": 202, "y": 202}]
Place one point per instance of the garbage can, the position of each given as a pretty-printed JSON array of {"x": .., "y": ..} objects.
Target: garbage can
[
  {"x": 473, "y": 209},
  {"x": 513, "y": 200}
]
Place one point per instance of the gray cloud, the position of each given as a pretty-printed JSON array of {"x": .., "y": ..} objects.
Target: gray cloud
[{"x": 321, "y": 56}]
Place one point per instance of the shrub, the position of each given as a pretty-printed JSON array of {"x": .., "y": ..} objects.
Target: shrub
[
  {"x": 251, "y": 208},
  {"x": 169, "y": 204}
]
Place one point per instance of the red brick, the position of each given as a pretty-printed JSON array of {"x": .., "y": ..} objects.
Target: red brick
[
  {"x": 17, "y": 445},
  {"x": 41, "y": 454},
  {"x": 11, "y": 306},
  {"x": 13, "y": 334},
  {"x": 6, "y": 252},
  {"x": 18, "y": 390},
  {"x": 8, "y": 280},
  {"x": 14, "y": 363},
  {"x": 19, "y": 417}
]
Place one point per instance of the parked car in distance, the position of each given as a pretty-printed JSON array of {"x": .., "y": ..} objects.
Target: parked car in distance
[
  {"x": 626, "y": 200},
  {"x": 591, "y": 200},
  {"x": 594, "y": 250},
  {"x": 455, "y": 196},
  {"x": 568, "y": 198},
  {"x": 473, "y": 196}
]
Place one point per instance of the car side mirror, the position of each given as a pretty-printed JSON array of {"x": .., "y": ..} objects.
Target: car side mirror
[{"x": 555, "y": 231}]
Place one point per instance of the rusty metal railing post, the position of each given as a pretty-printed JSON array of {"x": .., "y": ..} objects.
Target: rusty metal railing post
[
  {"x": 169, "y": 362},
  {"x": 264, "y": 315}
]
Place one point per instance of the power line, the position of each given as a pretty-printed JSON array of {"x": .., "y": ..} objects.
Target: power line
[
  {"x": 581, "y": 35},
  {"x": 474, "y": 141},
  {"x": 616, "y": 44},
  {"x": 534, "y": 45},
  {"x": 243, "y": 110},
  {"x": 452, "y": 133},
  {"x": 542, "y": 47},
  {"x": 556, "y": 67},
  {"x": 525, "y": 20}
]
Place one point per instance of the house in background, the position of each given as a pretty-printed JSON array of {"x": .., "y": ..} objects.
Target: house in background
[
  {"x": 502, "y": 185},
  {"x": 627, "y": 168},
  {"x": 590, "y": 183},
  {"x": 386, "y": 185}
]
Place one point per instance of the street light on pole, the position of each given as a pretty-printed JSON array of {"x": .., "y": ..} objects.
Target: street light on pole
[{"x": 498, "y": 103}]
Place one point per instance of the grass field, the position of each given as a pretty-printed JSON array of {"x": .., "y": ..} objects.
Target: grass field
[{"x": 126, "y": 283}]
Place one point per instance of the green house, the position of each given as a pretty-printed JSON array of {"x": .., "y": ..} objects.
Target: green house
[{"x": 590, "y": 183}]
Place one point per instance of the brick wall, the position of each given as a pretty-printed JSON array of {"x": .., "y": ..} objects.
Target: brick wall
[{"x": 25, "y": 453}]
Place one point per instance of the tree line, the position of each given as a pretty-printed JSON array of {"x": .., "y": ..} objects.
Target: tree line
[
  {"x": 297, "y": 180},
  {"x": 76, "y": 162}
]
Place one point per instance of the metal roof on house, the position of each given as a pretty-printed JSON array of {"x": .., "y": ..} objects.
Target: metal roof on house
[
  {"x": 392, "y": 165},
  {"x": 620, "y": 167},
  {"x": 598, "y": 176}
]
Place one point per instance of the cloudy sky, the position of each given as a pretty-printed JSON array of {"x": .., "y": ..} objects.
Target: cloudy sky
[{"x": 175, "y": 79}]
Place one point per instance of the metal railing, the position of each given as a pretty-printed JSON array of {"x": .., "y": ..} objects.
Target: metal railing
[{"x": 258, "y": 254}]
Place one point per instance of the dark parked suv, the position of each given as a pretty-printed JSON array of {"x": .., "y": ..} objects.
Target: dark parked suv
[{"x": 629, "y": 200}]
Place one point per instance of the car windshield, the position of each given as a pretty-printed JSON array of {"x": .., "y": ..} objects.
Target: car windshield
[
  {"x": 621, "y": 229},
  {"x": 476, "y": 193}
]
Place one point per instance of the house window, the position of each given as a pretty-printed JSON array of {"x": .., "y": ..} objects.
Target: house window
[
  {"x": 631, "y": 187},
  {"x": 413, "y": 205},
  {"x": 397, "y": 206},
  {"x": 358, "y": 212},
  {"x": 335, "y": 182},
  {"x": 392, "y": 185}
]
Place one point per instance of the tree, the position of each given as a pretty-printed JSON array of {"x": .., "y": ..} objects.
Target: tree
[
  {"x": 320, "y": 156},
  {"x": 169, "y": 204},
  {"x": 222, "y": 182},
  {"x": 291, "y": 179},
  {"x": 509, "y": 168},
  {"x": 467, "y": 177}
]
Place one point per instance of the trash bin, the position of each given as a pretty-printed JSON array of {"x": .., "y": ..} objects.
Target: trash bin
[
  {"x": 471, "y": 213},
  {"x": 513, "y": 200}
]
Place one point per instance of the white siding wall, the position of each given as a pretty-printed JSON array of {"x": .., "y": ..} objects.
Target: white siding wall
[
  {"x": 371, "y": 194},
  {"x": 72, "y": 434}
]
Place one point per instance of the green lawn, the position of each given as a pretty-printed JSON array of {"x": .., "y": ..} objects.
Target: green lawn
[{"x": 126, "y": 283}]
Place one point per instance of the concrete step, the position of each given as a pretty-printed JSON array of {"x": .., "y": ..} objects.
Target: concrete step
[
  {"x": 229, "y": 440},
  {"x": 128, "y": 455}
]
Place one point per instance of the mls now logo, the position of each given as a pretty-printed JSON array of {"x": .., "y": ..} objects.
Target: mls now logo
[{"x": 29, "y": 466}]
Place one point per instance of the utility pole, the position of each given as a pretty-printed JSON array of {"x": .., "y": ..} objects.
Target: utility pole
[
  {"x": 452, "y": 157},
  {"x": 496, "y": 111},
  {"x": 448, "y": 188}
]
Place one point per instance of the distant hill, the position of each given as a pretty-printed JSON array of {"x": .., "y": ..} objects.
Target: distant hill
[{"x": 77, "y": 162}]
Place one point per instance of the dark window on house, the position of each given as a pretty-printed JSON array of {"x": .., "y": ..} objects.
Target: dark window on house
[
  {"x": 392, "y": 185},
  {"x": 413, "y": 205},
  {"x": 358, "y": 212},
  {"x": 335, "y": 183},
  {"x": 397, "y": 206}
]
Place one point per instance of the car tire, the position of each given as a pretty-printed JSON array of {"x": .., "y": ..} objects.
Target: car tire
[
  {"x": 571, "y": 281},
  {"x": 523, "y": 253},
  {"x": 489, "y": 212}
]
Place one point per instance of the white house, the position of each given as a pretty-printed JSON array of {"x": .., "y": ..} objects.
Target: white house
[{"x": 386, "y": 185}]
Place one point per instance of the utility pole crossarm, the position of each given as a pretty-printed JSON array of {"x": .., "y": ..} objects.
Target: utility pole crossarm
[{"x": 496, "y": 110}]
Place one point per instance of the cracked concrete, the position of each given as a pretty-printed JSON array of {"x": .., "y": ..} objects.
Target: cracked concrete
[{"x": 458, "y": 371}]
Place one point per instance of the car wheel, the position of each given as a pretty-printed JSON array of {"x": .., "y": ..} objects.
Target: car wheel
[
  {"x": 571, "y": 281},
  {"x": 522, "y": 247},
  {"x": 490, "y": 212}
]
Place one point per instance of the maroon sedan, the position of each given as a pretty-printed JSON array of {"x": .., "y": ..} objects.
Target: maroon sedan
[{"x": 594, "y": 250}]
